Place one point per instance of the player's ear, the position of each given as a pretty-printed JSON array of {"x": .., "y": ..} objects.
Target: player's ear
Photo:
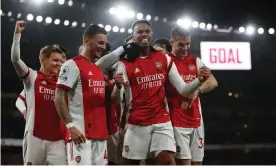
[
  {"x": 86, "y": 41},
  {"x": 42, "y": 60}
]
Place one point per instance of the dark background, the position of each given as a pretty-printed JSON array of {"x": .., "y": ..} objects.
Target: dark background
[{"x": 247, "y": 120}]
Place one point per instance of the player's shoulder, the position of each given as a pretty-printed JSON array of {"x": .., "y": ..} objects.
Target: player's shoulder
[
  {"x": 69, "y": 63},
  {"x": 124, "y": 63},
  {"x": 157, "y": 53},
  {"x": 198, "y": 62},
  {"x": 197, "y": 59},
  {"x": 73, "y": 60},
  {"x": 170, "y": 54},
  {"x": 68, "y": 67},
  {"x": 192, "y": 57},
  {"x": 77, "y": 58}
]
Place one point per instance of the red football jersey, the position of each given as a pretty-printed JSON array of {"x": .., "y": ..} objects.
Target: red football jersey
[
  {"x": 145, "y": 93},
  {"x": 86, "y": 96},
  {"x": 42, "y": 119},
  {"x": 188, "y": 68}
]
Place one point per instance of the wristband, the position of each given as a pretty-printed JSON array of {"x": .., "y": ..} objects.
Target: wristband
[{"x": 69, "y": 125}]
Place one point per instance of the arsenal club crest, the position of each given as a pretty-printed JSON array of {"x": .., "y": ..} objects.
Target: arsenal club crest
[
  {"x": 78, "y": 159},
  {"x": 191, "y": 67},
  {"x": 158, "y": 65}
]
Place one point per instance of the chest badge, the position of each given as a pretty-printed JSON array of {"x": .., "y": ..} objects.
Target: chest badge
[
  {"x": 44, "y": 82},
  {"x": 158, "y": 65},
  {"x": 191, "y": 67}
]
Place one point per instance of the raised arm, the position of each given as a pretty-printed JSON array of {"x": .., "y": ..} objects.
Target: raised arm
[
  {"x": 110, "y": 59},
  {"x": 20, "y": 67}
]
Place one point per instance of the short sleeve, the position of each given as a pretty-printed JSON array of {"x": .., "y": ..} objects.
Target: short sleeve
[{"x": 69, "y": 74}]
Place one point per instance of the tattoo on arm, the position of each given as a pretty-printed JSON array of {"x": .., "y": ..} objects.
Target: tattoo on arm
[
  {"x": 210, "y": 84},
  {"x": 207, "y": 87},
  {"x": 61, "y": 105}
]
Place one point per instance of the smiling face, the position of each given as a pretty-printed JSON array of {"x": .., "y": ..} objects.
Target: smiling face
[
  {"x": 181, "y": 45},
  {"x": 51, "y": 58},
  {"x": 142, "y": 35},
  {"x": 96, "y": 44}
]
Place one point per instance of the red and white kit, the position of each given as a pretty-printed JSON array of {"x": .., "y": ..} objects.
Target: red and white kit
[
  {"x": 149, "y": 128},
  {"x": 43, "y": 141},
  {"x": 188, "y": 124},
  {"x": 86, "y": 101}
]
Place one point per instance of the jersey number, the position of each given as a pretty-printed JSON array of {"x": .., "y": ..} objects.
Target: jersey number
[{"x": 200, "y": 143}]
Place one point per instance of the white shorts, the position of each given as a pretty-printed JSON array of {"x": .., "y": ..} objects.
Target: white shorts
[
  {"x": 112, "y": 144},
  {"x": 39, "y": 152},
  {"x": 92, "y": 152},
  {"x": 190, "y": 143},
  {"x": 141, "y": 141}
]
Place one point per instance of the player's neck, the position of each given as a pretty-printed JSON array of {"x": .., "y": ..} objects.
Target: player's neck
[
  {"x": 88, "y": 56},
  {"x": 47, "y": 73},
  {"x": 144, "y": 51}
]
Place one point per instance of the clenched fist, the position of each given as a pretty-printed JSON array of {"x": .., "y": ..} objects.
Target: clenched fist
[
  {"x": 19, "y": 26},
  {"x": 204, "y": 74}
]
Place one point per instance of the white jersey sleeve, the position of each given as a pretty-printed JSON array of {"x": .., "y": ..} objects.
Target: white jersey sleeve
[
  {"x": 176, "y": 80},
  {"x": 20, "y": 103},
  {"x": 69, "y": 74},
  {"x": 126, "y": 90},
  {"x": 199, "y": 64},
  {"x": 122, "y": 69},
  {"x": 25, "y": 73},
  {"x": 110, "y": 59}
]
